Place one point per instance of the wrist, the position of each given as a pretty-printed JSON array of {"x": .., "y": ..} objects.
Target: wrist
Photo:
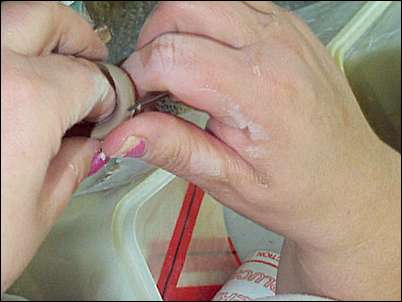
[
  {"x": 363, "y": 199},
  {"x": 359, "y": 256}
]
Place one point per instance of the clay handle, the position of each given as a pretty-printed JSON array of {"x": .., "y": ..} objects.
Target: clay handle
[{"x": 125, "y": 98}]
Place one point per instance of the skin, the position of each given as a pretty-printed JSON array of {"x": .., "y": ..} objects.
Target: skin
[
  {"x": 43, "y": 47},
  {"x": 286, "y": 145}
]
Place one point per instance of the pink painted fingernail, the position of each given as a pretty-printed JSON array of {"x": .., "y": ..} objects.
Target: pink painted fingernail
[
  {"x": 98, "y": 161},
  {"x": 132, "y": 147},
  {"x": 138, "y": 150}
]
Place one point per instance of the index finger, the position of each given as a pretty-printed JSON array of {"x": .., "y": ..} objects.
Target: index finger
[
  {"x": 198, "y": 72},
  {"x": 39, "y": 28}
]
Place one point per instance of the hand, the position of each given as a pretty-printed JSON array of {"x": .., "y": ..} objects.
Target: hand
[
  {"x": 286, "y": 145},
  {"x": 46, "y": 88}
]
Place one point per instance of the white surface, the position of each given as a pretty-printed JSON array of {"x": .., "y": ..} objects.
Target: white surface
[
  {"x": 255, "y": 278},
  {"x": 247, "y": 236},
  {"x": 92, "y": 254},
  {"x": 295, "y": 297}
]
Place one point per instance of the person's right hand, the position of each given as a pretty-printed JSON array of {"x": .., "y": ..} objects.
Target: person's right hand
[{"x": 287, "y": 144}]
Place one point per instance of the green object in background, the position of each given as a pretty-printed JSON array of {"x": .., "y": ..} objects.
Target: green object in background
[
  {"x": 124, "y": 19},
  {"x": 79, "y": 7},
  {"x": 373, "y": 68}
]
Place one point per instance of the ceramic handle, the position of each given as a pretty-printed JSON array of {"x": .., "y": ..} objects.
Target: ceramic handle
[{"x": 125, "y": 98}]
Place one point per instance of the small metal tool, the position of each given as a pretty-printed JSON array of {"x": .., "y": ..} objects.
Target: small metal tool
[
  {"x": 126, "y": 103},
  {"x": 146, "y": 100}
]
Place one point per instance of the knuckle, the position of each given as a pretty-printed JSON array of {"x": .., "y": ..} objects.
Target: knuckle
[
  {"x": 289, "y": 15},
  {"x": 79, "y": 67},
  {"x": 88, "y": 73},
  {"x": 182, "y": 157},
  {"x": 181, "y": 153},
  {"x": 173, "y": 52},
  {"x": 239, "y": 175},
  {"x": 237, "y": 171},
  {"x": 50, "y": 7},
  {"x": 165, "y": 52},
  {"x": 174, "y": 155},
  {"x": 21, "y": 86},
  {"x": 294, "y": 48},
  {"x": 174, "y": 7},
  {"x": 261, "y": 179},
  {"x": 14, "y": 12},
  {"x": 292, "y": 42},
  {"x": 232, "y": 173},
  {"x": 296, "y": 21},
  {"x": 27, "y": 94},
  {"x": 165, "y": 6},
  {"x": 177, "y": 158}
]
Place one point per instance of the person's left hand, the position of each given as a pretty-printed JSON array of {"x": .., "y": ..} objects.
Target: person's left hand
[{"x": 47, "y": 86}]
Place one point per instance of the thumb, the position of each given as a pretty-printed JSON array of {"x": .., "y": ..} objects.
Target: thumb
[
  {"x": 179, "y": 147},
  {"x": 66, "y": 171}
]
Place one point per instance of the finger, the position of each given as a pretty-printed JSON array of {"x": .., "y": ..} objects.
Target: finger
[
  {"x": 307, "y": 38},
  {"x": 237, "y": 138},
  {"x": 199, "y": 72},
  {"x": 67, "y": 169},
  {"x": 71, "y": 88},
  {"x": 252, "y": 151},
  {"x": 181, "y": 148},
  {"x": 216, "y": 20},
  {"x": 39, "y": 28}
]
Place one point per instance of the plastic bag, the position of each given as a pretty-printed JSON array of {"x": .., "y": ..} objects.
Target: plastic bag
[
  {"x": 128, "y": 235},
  {"x": 373, "y": 67}
]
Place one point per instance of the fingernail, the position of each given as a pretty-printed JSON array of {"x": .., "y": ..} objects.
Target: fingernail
[
  {"x": 98, "y": 161},
  {"x": 137, "y": 151},
  {"x": 132, "y": 147}
]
